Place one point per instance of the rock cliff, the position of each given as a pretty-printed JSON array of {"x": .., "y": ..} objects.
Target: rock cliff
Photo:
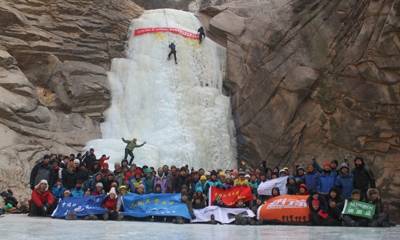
[
  {"x": 314, "y": 78},
  {"x": 54, "y": 55}
]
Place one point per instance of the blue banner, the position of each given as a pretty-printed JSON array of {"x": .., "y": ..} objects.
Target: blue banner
[
  {"x": 163, "y": 204},
  {"x": 81, "y": 206}
]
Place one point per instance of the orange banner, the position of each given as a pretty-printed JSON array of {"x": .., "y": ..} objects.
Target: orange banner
[
  {"x": 183, "y": 33},
  {"x": 230, "y": 196},
  {"x": 292, "y": 209}
]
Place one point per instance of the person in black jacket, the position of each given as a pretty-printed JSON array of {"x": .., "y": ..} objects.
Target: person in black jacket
[
  {"x": 41, "y": 171},
  {"x": 201, "y": 34},
  {"x": 89, "y": 160},
  {"x": 172, "y": 48},
  {"x": 362, "y": 177},
  {"x": 69, "y": 176}
]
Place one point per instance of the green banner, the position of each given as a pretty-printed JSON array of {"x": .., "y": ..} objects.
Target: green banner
[{"x": 359, "y": 209}]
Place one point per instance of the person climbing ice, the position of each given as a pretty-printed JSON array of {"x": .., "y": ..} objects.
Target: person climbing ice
[
  {"x": 130, "y": 146},
  {"x": 172, "y": 48},
  {"x": 201, "y": 34}
]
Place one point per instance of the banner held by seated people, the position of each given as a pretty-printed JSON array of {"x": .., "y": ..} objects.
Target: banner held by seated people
[
  {"x": 359, "y": 209},
  {"x": 231, "y": 196},
  {"x": 291, "y": 209},
  {"x": 165, "y": 205},
  {"x": 80, "y": 206},
  {"x": 265, "y": 188},
  {"x": 222, "y": 215}
]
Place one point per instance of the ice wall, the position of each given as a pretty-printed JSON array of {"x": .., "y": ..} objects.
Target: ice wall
[{"x": 179, "y": 110}]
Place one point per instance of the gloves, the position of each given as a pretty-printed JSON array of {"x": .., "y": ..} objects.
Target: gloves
[
  {"x": 45, "y": 208},
  {"x": 322, "y": 214}
]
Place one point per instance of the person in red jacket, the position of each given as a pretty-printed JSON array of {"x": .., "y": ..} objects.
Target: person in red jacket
[
  {"x": 103, "y": 160},
  {"x": 110, "y": 204},
  {"x": 42, "y": 202}
]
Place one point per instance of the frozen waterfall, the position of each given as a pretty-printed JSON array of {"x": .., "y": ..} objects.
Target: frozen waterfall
[{"x": 179, "y": 110}]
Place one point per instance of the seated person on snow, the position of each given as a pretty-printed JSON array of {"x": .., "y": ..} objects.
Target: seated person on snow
[{"x": 42, "y": 201}]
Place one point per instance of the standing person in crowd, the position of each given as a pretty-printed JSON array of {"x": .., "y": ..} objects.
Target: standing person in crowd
[
  {"x": 213, "y": 182},
  {"x": 89, "y": 160},
  {"x": 130, "y": 146},
  {"x": 41, "y": 171},
  {"x": 172, "y": 48},
  {"x": 42, "y": 201},
  {"x": 344, "y": 181},
  {"x": 148, "y": 180},
  {"x": 103, "y": 160},
  {"x": 161, "y": 179},
  {"x": 326, "y": 179},
  {"x": 69, "y": 176},
  {"x": 300, "y": 176},
  {"x": 291, "y": 185},
  {"x": 201, "y": 33},
  {"x": 362, "y": 177},
  {"x": 311, "y": 178},
  {"x": 241, "y": 181}
]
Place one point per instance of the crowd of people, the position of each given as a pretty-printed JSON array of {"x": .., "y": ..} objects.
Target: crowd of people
[{"x": 57, "y": 177}]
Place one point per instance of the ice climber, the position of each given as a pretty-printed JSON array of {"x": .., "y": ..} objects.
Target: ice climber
[
  {"x": 172, "y": 48},
  {"x": 130, "y": 146}
]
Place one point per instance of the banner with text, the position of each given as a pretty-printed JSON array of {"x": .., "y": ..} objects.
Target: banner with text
[
  {"x": 359, "y": 209},
  {"x": 292, "y": 209},
  {"x": 178, "y": 31},
  {"x": 266, "y": 187},
  {"x": 230, "y": 196},
  {"x": 81, "y": 206},
  {"x": 166, "y": 205},
  {"x": 222, "y": 215}
]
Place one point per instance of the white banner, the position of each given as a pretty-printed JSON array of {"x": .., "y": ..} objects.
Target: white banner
[
  {"x": 265, "y": 188},
  {"x": 222, "y": 215}
]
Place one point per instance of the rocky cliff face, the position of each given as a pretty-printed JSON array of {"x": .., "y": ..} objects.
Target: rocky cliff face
[
  {"x": 53, "y": 61},
  {"x": 314, "y": 78}
]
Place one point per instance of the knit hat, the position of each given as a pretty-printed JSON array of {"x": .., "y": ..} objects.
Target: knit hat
[
  {"x": 148, "y": 170},
  {"x": 326, "y": 164},
  {"x": 43, "y": 181},
  {"x": 344, "y": 165},
  {"x": 203, "y": 178},
  {"x": 112, "y": 191},
  {"x": 99, "y": 184},
  {"x": 355, "y": 191}
]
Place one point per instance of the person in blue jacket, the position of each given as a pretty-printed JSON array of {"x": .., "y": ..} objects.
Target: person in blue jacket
[
  {"x": 326, "y": 179},
  {"x": 58, "y": 189},
  {"x": 311, "y": 178},
  {"x": 345, "y": 181},
  {"x": 213, "y": 182}
]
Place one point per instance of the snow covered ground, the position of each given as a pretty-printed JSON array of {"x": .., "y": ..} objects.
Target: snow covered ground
[{"x": 22, "y": 227}]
